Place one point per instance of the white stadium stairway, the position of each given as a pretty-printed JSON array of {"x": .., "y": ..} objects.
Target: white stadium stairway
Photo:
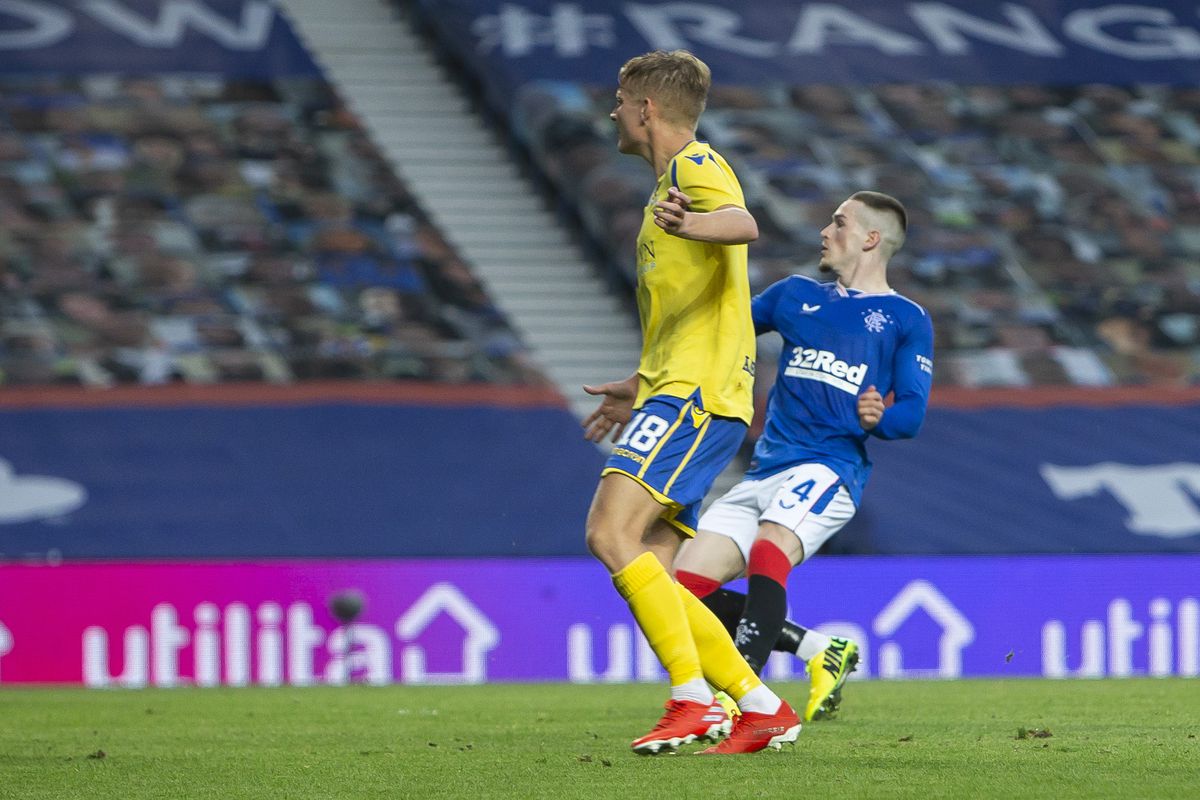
[{"x": 465, "y": 177}]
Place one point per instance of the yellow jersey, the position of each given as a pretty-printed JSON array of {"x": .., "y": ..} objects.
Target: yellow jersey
[{"x": 694, "y": 297}]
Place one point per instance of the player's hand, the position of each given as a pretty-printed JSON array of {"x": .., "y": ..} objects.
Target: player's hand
[
  {"x": 614, "y": 411},
  {"x": 870, "y": 408},
  {"x": 672, "y": 214}
]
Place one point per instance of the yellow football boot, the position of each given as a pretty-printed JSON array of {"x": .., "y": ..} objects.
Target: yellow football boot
[{"x": 827, "y": 671}]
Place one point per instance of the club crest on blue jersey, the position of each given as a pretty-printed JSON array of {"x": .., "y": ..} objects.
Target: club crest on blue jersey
[{"x": 875, "y": 320}]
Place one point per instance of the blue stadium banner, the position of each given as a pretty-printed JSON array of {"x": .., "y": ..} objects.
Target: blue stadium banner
[
  {"x": 380, "y": 471},
  {"x": 251, "y": 472},
  {"x": 235, "y": 38},
  {"x": 511, "y": 42},
  {"x": 1063, "y": 479}
]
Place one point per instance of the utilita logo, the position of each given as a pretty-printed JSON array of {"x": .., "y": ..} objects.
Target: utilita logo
[
  {"x": 270, "y": 646},
  {"x": 1107, "y": 648}
]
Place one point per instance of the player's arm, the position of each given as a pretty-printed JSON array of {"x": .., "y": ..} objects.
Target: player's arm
[
  {"x": 728, "y": 224},
  {"x": 614, "y": 411},
  {"x": 913, "y": 371},
  {"x": 763, "y": 305}
]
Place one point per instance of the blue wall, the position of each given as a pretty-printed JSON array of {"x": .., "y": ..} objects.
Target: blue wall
[
  {"x": 339, "y": 477},
  {"x": 323, "y": 479}
]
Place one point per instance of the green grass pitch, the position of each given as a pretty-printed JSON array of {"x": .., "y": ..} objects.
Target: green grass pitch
[{"x": 1135, "y": 738}]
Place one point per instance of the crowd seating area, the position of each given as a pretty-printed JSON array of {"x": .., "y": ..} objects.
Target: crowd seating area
[
  {"x": 201, "y": 230},
  {"x": 1054, "y": 235}
]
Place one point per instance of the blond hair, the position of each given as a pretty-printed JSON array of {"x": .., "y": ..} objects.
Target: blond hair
[{"x": 677, "y": 81}]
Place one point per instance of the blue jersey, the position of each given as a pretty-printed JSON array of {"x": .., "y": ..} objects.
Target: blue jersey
[{"x": 836, "y": 343}]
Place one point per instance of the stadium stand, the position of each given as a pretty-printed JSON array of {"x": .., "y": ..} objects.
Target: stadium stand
[
  {"x": 1053, "y": 223},
  {"x": 204, "y": 230},
  {"x": 1052, "y": 231},
  {"x": 208, "y": 230}
]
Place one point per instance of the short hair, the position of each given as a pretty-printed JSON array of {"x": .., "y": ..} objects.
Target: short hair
[
  {"x": 878, "y": 201},
  {"x": 677, "y": 80}
]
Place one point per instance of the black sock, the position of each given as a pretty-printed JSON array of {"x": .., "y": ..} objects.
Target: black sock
[
  {"x": 758, "y": 629},
  {"x": 728, "y": 606},
  {"x": 790, "y": 637}
]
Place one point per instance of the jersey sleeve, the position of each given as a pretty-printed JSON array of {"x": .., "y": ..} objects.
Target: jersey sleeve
[
  {"x": 913, "y": 378},
  {"x": 707, "y": 183},
  {"x": 763, "y": 305}
]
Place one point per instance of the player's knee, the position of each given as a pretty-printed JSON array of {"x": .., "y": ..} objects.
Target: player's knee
[
  {"x": 601, "y": 541},
  {"x": 785, "y": 540},
  {"x": 611, "y": 544}
]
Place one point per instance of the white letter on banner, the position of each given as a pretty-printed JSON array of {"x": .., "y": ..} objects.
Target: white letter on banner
[
  {"x": 270, "y": 645},
  {"x": 645, "y": 661},
  {"x": 96, "y": 671},
  {"x": 1155, "y": 496},
  {"x": 206, "y": 645},
  {"x": 517, "y": 31},
  {"x": 359, "y": 647},
  {"x": 1091, "y": 650},
  {"x": 237, "y": 644},
  {"x": 580, "y": 660},
  {"x": 1159, "y": 638},
  {"x": 945, "y": 25},
  {"x": 820, "y": 23},
  {"x": 1160, "y": 39},
  {"x": 710, "y": 25},
  {"x": 167, "y": 638},
  {"x": 1123, "y": 630},
  {"x": 50, "y": 25},
  {"x": 176, "y": 15},
  {"x": 303, "y": 636}
]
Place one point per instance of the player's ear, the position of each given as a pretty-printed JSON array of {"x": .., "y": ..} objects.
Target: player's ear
[
  {"x": 648, "y": 109},
  {"x": 873, "y": 240}
]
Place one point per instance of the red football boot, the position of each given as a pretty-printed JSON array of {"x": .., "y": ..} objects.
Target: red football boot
[
  {"x": 685, "y": 721},
  {"x": 753, "y": 732}
]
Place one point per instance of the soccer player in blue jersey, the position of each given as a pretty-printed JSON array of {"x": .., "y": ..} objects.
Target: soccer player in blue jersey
[
  {"x": 847, "y": 344},
  {"x": 692, "y": 394}
]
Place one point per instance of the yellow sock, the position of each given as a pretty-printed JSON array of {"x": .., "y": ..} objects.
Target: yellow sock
[
  {"x": 723, "y": 665},
  {"x": 651, "y": 595}
]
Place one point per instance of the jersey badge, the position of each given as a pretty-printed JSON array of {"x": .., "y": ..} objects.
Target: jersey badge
[{"x": 876, "y": 320}]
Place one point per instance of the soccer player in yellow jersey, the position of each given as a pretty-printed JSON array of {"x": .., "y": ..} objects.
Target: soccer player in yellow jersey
[{"x": 683, "y": 415}]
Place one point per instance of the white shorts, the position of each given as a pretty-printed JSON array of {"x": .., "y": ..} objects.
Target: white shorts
[{"x": 807, "y": 499}]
